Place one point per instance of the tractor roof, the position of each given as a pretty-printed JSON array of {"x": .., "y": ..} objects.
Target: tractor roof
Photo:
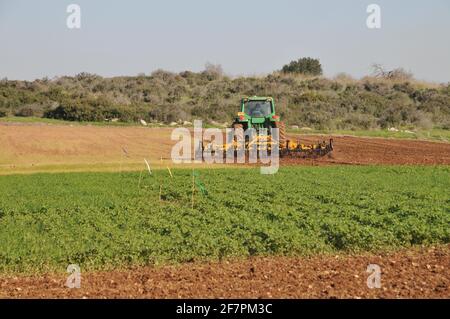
[{"x": 258, "y": 98}]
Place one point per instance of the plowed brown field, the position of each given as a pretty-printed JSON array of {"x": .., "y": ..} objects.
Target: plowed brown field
[
  {"x": 365, "y": 151},
  {"x": 31, "y": 148},
  {"x": 414, "y": 273}
]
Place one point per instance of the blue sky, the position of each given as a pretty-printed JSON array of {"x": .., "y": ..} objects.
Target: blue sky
[{"x": 247, "y": 37}]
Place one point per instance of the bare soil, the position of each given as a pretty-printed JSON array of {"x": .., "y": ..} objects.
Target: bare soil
[
  {"x": 412, "y": 273},
  {"x": 37, "y": 148},
  {"x": 349, "y": 150}
]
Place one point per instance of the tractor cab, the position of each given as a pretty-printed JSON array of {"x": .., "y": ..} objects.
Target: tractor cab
[
  {"x": 258, "y": 108},
  {"x": 257, "y": 112}
]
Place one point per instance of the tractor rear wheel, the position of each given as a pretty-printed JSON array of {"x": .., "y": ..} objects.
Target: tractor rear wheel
[{"x": 281, "y": 133}]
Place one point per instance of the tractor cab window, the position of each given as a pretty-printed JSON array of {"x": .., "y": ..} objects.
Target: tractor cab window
[{"x": 258, "y": 108}]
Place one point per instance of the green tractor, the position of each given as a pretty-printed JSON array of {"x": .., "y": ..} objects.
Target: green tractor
[{"x": 259, "y": 113}]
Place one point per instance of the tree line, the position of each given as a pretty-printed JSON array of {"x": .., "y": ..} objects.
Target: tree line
[{"x": 303, "y": 96}]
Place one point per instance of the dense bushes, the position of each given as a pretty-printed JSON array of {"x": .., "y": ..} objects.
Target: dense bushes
[
  {"x": 25, "y": 112},
  {"x": 340, "y": 103},
  {"x": 306, "y": 66}
]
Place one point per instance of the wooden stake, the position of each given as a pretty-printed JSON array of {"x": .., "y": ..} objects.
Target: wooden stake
[
  {"x": 121, "y": 161},
  {"x": 148, "y": 166},
  {"x": 193, "y": 188},
  {"x": 140, "y": 177},
  {"x": 124, "y": 154},
  {"x": 170, "y": 172},
  {"x": 160, "y": 183}
]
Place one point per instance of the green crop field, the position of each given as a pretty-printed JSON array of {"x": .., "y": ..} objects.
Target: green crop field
[{"x": 110, "y": 220}]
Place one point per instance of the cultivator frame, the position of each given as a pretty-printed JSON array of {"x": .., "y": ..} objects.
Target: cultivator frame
[{"x": 289, "y": 148}]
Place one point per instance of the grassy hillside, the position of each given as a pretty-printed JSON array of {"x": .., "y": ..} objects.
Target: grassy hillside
[
  {"x": 104, "y": 220},
  {"x": 319, "y": 103}
]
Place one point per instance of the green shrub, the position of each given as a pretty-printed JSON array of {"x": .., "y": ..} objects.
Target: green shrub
[
  {"x": 25, "y": 112},
  {"x": 307, "y": 66}
]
